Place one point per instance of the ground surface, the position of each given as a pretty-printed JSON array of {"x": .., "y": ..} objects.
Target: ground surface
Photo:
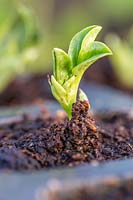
[{"x": 50, "y": 141}]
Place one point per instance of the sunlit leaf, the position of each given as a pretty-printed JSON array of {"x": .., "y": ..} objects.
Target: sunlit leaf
[
  {"x": 75, "y": 44},
  {"x": 94, "y": 51},
  {"x": 62, "y": 65},
  {"x": 89, "y": 38}
]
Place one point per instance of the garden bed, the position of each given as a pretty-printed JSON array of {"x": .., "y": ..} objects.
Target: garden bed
[
  {"x": 27, "y": 184},
  {"x": 47, "y": 141}
]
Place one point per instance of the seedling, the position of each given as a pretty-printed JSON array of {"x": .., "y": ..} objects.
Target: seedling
[
  {"x": 69, "y": 67},
  {"x": 122, "y": 61}
]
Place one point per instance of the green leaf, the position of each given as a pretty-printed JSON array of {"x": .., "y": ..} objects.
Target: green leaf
[
  {"x": 71, "y": 88},
  {"x": 96, "y": 50},
  {"x": 62, "y": 65},
  {"x": 57, "y": 86},
  {"x": 58, "y": 92},
  {"x": 89, "y": 38},
  {"x": 76, "y": 43}
]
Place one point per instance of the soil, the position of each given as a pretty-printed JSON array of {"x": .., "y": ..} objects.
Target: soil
[
  {"x": 49, "y": 141},
  {"x": 26, "y": 90}
]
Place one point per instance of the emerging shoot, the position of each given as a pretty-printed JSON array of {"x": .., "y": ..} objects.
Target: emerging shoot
[{"x": 69, "y": 67}]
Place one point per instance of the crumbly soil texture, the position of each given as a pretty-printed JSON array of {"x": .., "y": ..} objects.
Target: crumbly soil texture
[{"x": 50, "y": 141}]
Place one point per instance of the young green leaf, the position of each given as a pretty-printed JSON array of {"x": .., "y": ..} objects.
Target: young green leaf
[
  {"x": 96, "y": 50},
  {"x": 62, "y": 65},
  {"x": 93, "y": 51},
  {"x": 90, "y": 37},
  {"x": 76, "y": 42},
  {"x": 69, "y": 68}
]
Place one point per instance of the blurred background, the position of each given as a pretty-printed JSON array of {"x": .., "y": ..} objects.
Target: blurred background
[{"x": 29, "y": 30}]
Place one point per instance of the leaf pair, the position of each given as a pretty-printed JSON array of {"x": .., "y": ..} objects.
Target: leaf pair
[{"x": 69, "y": 68}]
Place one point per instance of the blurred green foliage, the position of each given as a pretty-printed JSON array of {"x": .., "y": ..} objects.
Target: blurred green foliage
[
  {"x": 25, "y": 44},
  {"x": 60, "y": 19},
  {"x": 122, "y": 60},
  {"x": 20, "y": 42}
]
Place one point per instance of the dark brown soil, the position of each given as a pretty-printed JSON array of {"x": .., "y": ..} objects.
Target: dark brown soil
[
  {"x": 26, "y": 90},
  {"x": 50, "y": 141}
]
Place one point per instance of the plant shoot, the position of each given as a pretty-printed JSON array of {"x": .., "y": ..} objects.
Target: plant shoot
[{"x": 68, "y": 68}]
